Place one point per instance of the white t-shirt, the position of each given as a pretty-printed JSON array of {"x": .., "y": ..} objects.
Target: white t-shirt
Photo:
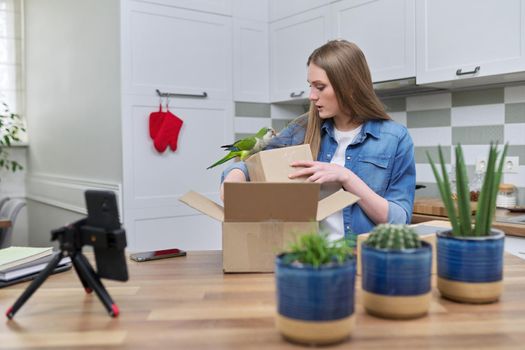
[{"x": 334, "y": 224}]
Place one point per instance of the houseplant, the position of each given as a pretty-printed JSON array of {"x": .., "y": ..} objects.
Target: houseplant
[
  {"x": 315, "y": 290},
  {"x": 10, "y": 127},
  {"x": 470, "y": 255},
  {"x": 396, "y": 272}
]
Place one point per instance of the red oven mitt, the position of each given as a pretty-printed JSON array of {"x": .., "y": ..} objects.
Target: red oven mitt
[
  {"x": 168, "y": 134},
  {"x": 155, "y": 122}
]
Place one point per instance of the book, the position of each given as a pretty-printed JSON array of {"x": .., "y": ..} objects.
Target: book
[
  {"x": 30, "y": 267},
  {"x": 58, "y": 269},
  {"x": 15, "y": 256}
]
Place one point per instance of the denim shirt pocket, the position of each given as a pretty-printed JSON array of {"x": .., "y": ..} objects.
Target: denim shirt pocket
[{"x": 375, "y": 171}]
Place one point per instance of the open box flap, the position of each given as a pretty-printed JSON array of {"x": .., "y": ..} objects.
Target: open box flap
[
  {"x": 203, "y": 204},
  {"x": 335, "y": 202},
  {"x": 264, "y": 201}
]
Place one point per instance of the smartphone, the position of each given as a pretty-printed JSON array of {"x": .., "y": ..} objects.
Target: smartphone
[
  {"x": 157, "y": 254},
  {"x": 103, "y": 215}
]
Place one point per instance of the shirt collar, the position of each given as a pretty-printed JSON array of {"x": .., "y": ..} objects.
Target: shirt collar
[{"x": 370, "y": 127}]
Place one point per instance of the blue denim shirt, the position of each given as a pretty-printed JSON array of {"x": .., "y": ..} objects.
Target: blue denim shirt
[{"x": 382, "y": 155}]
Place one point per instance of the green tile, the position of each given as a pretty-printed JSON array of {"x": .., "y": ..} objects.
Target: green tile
[
  {"x": 515, "y": 113},
  {"x": 477, "y": 97},
  {"x": 517, "y": 151},
  {"x": 252, "y": 109},
  {"x": 428, "y": 119},
  {"x": 279, "y": 124},
  {"x": 395, "y": 104},
  {"x": 477, "y": 135},
  {"x": 420, "y": 154}
]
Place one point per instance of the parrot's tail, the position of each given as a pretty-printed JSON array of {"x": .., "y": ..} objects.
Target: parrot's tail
[{"x": 226, "y": 158}]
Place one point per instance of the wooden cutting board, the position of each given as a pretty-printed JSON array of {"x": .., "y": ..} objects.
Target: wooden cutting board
[{"x": 434, "y": 206}]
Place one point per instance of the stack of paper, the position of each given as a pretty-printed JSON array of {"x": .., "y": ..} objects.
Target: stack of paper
[{"x": 23, "y": 263}]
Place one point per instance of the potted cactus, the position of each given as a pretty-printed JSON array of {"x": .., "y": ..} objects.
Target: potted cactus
[
  {"x": 470, "y": 255},
  {"x": 315, "y": 282},
  {"x": 396, "y": 272}
]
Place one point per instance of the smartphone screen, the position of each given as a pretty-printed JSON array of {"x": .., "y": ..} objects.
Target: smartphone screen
[{"x": 157, "y": 254}]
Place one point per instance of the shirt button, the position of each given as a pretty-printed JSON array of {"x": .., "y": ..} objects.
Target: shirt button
[
  {"x": 348, "y": 158},
  {"x": 328, "y": 155}
]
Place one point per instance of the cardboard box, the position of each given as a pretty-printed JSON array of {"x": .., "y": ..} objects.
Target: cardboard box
[
  {"x": 259, "y": 219},
  {"x": 274, "y": 165},
  {"x": 427, "y": 233}
]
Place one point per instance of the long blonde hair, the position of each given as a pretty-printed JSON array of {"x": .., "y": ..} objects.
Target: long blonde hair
[{"x": 348, "y": 73}]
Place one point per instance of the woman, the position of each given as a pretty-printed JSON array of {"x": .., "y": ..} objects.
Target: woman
[{"x": 358, "y": 146}]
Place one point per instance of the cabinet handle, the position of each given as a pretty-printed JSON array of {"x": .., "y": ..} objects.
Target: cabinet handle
[
  {"x": 459, "y": 72},
  {"x": 173, "y": 94},
  {"x": 293, "y": 94}
]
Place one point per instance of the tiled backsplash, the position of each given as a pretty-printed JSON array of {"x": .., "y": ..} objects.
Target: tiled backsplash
[{"x": 473, "y": 118}]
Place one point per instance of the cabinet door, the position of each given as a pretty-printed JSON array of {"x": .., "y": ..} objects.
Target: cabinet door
[
  {"x": 251, "y": 61},
  {"x": 175, "y": 50},
  {"x": 153, "y": 182},
  {"x": 280, "y": 9},
  {"x": 292, "y": 40},
  {"x": 223, "y": 7},
  {"x": 470, "y": 38},
  {"x": 384, "y": 30}
]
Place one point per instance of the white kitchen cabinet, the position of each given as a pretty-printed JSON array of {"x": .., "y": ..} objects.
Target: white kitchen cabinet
[
  {"x": 292, "y": 40},
  {"x": 384, "y": 30},
  {"x": 176, "y": 50},
  {"x": 256, "y": 10},
  {"x": 280, "y": 9},
  {"x": 183, "y": 52},
  {"x": 251, "y": 61},
  {"x": 461, "y": 40},
  {"x": 223, "y": 7}
]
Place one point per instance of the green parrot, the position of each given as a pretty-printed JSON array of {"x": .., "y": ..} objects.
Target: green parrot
[{"x": 247, "y": 146}]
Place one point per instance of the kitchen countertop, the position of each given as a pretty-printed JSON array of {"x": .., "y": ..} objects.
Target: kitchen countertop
[
  {"x": 188, "y": 303},
  {"x": 432, "y": 209}
]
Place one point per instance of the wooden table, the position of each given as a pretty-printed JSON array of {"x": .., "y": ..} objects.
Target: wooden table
[{"x": 188, "y": 303}]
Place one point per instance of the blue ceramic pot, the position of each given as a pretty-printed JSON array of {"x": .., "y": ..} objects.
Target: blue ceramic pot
[
  {"x": 397, "y": 283},
  {"x": 470, "y": 269},
  {"x": 315, "y": 305}
]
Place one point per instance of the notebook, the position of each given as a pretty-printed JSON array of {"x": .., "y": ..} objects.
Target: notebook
[
  {"x": 30, "y": 267},
  {"x": 33, "y": 276},
  {"x": 15, "y": 256}
]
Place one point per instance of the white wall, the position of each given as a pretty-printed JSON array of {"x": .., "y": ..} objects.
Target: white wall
[{"x": 72, "y": 105}]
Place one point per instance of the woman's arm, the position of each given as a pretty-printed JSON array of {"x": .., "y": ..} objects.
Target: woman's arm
[
  {"x": 235, "y": 175},
  {"x": 397, "y": 204},
  {"x": 375, "y": 206}
]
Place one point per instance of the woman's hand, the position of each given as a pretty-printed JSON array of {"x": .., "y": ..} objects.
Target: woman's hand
[
  {"x": 235, "y": 175},
  {"x": 321, "y": 172}
]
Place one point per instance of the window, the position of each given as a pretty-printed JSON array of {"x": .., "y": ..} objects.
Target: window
[{"x": 11, "y": 83}]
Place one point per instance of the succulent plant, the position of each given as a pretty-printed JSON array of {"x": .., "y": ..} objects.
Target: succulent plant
[
  {"x": 316, "y": 249},
  {"x": 459, "y": 212},
  {"x": 396, "y": 237}
]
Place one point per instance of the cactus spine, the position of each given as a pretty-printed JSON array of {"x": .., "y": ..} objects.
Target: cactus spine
[{"x": 395, "y": 237}]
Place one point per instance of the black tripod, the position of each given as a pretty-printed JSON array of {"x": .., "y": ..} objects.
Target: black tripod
[{"x": 71, "y": 238}]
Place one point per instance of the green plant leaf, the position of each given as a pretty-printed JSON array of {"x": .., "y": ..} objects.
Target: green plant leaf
[
  {"x": 444, "y": 190},
  {"x": 463, "y": 193}
]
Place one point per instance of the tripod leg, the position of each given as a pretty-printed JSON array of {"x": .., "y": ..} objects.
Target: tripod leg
[
  {"x": 34, "y": 286},
  {"x": 87, "y": 288},
  {"x": 87, "y": 273}
]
